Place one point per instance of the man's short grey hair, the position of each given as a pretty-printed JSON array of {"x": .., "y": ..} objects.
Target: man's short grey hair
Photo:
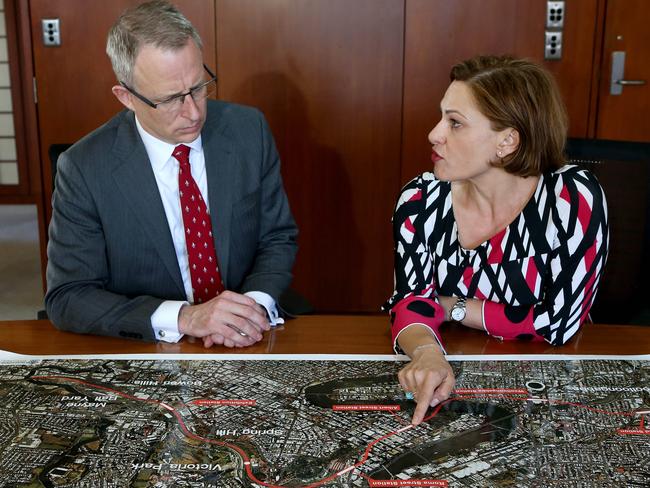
[{"x": 157, "y": 23}]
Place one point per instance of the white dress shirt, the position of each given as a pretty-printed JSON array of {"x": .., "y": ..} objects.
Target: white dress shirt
[{"x": 165, "y": 169}]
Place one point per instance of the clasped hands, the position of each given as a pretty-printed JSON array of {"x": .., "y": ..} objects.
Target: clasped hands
[{"x": 230, "y": 318}]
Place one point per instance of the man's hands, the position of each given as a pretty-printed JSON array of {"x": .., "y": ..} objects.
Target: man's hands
[
  {"x": 230, "y": 319},
  {"x": 429, "y": 377}
]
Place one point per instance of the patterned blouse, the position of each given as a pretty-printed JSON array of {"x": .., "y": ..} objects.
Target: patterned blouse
[{"x": 538, "y": 277}]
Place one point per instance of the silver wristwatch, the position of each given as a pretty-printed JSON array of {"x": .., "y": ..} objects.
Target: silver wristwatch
[{"x": 459, "y": 310}]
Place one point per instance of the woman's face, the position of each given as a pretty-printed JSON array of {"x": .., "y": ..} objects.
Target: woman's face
[{"x": 463, "y": 142}]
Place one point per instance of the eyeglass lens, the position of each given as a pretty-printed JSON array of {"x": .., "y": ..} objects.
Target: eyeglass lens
[{"x": 197, "y": 94}]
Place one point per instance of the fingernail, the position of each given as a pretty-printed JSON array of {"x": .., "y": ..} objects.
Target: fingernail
[{"x": 435, "y": 402}]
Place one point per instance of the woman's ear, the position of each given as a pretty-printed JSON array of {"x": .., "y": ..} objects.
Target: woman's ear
[{"x": 509, "y": 142}]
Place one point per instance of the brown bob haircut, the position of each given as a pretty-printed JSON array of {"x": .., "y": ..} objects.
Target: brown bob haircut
[{"x": 519, "y": 94}]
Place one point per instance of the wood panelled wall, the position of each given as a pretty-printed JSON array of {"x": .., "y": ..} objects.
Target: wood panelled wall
[
  {"x": 439, "y": 33},
  {"x": 350, "y": 89},
  {"x": 340, "y": 80},
  {"x": 74, "y": 80},
  {"x": 328, "y": 76}
]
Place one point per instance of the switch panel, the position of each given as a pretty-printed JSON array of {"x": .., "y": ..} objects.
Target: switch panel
[
  {"x": 553, "y": 45},
  {"x": 51, "y": 32},
  {"x": 554, "y": 15}
]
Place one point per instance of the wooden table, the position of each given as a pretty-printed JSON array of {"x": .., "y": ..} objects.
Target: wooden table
[{"x": 327, "y": 334}]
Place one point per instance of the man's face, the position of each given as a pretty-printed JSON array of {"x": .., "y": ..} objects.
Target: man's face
[{"x": 160, "y": 74}]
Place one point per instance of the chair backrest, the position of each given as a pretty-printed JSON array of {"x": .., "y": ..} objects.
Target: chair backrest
[
  {"x": 54, "y": 152},
  {"x": 623, "y": 169}
]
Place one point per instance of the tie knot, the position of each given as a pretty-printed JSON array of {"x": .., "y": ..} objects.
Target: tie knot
[{"x": 182, "y": 153}]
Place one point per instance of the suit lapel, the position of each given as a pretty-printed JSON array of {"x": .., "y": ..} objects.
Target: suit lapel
[
  {"x": 136, "y": 181},
  {"x": 218, "y": 166}
]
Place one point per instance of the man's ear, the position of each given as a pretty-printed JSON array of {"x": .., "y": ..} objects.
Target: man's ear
[
  {"x": 509, "y": 142},
  {"x": 123, "y": 95}
]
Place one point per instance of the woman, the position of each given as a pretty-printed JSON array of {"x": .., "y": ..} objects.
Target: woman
[{"x": 502, "y": 236}]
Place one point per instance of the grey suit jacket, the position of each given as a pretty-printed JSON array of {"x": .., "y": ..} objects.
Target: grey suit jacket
[{"x": 111, "y": 260}]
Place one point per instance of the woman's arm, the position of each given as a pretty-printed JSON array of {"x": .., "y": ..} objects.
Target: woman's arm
[
  {"x": 474, "y": 316},
  {"x": 569, "y": 277},
  {"x": 415, "y": 312},
  {"x": 414, "y": 300}
]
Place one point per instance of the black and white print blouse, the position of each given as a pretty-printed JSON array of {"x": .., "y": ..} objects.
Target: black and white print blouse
[{"x": 537, "y": 277}]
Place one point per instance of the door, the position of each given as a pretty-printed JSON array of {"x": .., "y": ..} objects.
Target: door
[
  {"x": 74, "y": 80},
  {"x": 623, "y": 108}
]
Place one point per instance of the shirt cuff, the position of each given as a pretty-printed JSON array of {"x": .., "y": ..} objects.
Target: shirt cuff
[
  {"x": 434, "y": 333},
  {"x": 269, "y": 304},
  {"x": 164, "y": 321},
  {"x": 509, "y": 322},
  {"x": 417, "y": 310}
]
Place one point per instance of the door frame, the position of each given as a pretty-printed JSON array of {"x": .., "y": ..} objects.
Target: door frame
[{"x": 30, "y": 187}]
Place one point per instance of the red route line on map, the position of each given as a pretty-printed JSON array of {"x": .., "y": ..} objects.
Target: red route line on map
[
  {"x": 553, "y": 402},
  {"x": 399, "y": 419},
  {"x": 180, "y": 420},
  {"x": 641, "y": 430},
  {"x": 597, "y": 410},
  {"x": 492, "y": 391},
  {"x": 366, "y": 454}
]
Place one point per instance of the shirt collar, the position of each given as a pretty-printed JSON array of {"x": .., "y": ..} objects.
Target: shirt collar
[{"x": 159, "y": 151}]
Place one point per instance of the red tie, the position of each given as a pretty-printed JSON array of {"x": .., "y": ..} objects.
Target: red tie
[{"x": 204, "y": 268}]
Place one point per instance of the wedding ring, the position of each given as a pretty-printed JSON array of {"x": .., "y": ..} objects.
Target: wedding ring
[{"x": 238, "y": 330}]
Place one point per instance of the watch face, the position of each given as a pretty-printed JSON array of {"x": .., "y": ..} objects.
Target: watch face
[{"x": 457, "y": 314}]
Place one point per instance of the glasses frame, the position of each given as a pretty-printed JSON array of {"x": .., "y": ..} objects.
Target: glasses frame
[{"x": 181, "y": 96}]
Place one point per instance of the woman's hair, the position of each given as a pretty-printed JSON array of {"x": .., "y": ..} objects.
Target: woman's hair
[
  {"x": 520, "y": 94},
  {"x": 157, "y": 23}
]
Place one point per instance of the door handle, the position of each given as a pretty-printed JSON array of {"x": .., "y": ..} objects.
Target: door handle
[
  {"x": 631, "y": 82},
  {"x": 617, "y": 81}
]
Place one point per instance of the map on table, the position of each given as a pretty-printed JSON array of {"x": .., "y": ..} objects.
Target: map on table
[{"x": 333, "y": 422}]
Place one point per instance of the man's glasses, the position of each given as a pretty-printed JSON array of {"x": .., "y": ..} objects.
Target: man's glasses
[{"x": 174, "y": 103}]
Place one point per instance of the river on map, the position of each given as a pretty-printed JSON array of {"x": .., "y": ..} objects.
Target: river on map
[
  {"x": 497, "y": 424},
  {"x": 498, "y": 421},
  {"x": 368, "y": 390}
]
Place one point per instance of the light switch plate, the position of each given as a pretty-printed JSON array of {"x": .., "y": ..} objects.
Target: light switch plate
[
  {"x": 553, "y": 45},
  {"x": 555, "y": 15},
  {"x": 51, "y": 32}
]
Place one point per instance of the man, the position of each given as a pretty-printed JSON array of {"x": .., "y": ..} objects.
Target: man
[{"x": 171, "y": 219}]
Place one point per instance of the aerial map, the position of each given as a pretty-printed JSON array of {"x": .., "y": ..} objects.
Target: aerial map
[{"x": 321, "y": 422}]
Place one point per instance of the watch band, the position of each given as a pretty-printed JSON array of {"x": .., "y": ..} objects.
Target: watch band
[{"x": 459, "y": 310}]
